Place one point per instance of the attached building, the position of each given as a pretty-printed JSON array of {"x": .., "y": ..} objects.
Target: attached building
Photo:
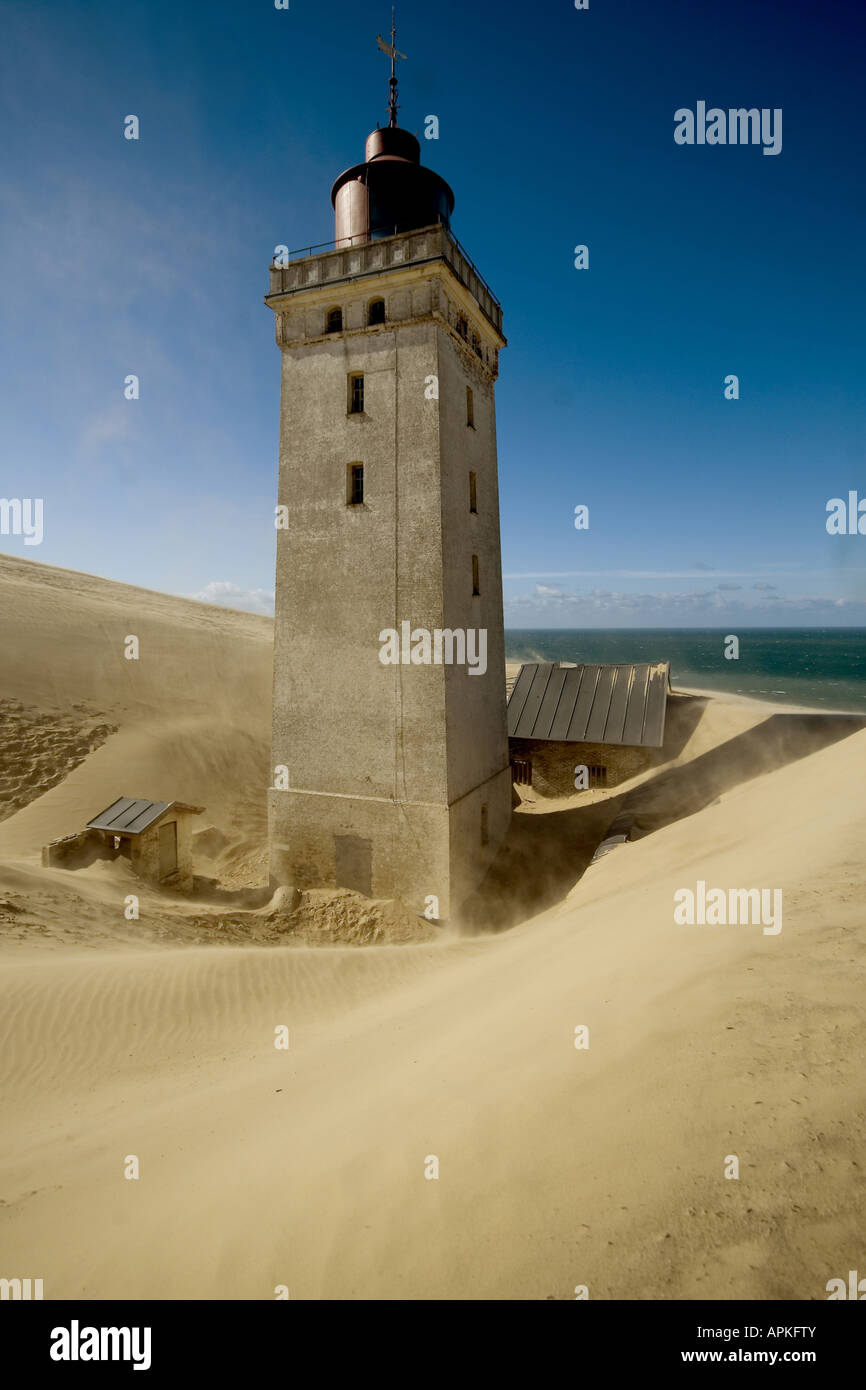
[{"x": 609, "y": 719}]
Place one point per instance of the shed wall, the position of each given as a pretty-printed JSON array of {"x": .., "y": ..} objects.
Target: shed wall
[{"x": 553, "y": 764}]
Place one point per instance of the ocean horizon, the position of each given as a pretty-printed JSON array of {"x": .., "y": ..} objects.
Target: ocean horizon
[{"x": 818, "y": 668}]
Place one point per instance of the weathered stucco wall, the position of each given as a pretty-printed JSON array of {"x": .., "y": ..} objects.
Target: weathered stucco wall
[
  {"x": 403, "y": 755},
  {"x": 76, "y": 851},
  {"x": 145, "y": 855},
  {"x": 553, "y": 763},
  {"x": 405, "y": 845}
]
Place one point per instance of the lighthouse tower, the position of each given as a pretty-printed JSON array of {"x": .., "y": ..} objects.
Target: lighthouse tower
[{"x": 389, "y": 726}]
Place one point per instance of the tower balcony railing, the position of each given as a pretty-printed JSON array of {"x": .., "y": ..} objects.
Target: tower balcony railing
[{"x": 333, "y": 261}]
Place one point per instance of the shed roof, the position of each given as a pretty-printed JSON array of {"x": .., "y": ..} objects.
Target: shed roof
[
  {"x": 622, "y": 702},
  {"x": 129, "y": 815}
]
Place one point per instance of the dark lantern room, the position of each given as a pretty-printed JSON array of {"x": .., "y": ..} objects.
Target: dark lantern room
[{"x": 391, "y": 191}]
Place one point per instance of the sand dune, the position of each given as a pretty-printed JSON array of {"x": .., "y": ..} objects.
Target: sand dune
[
  {"x": 63, "y": 641},
  {"x": 557, "y": 1166},
  {"x": 189, "y": 720}
]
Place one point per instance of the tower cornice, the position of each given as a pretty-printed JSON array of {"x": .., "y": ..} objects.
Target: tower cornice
[{"x": 315, "y": 275}]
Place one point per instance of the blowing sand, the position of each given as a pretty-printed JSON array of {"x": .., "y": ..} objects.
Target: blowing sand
[{"x": 306, "y": 1167}]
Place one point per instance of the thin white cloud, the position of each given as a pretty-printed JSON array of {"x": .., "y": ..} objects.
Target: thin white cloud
[
  {"x": 636, "y": 574},
  {"x": 224, "y": 594},
  {"x": 601, "y": 604},
  {"x": 106, "y": 427}
]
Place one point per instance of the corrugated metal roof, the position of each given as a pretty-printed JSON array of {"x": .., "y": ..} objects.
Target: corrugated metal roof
[
  {"x": 623, "y": 703},
  {"x": 128, "y": 815}
]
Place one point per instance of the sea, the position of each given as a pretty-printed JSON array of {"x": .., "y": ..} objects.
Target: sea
[{"x": 818, "y": 668}]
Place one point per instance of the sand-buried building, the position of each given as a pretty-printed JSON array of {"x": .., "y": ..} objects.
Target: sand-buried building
[
  {"x": 607, "y": 719},
  {"x": 396, "y": 776},
  {"x": 155, "y": 836}
]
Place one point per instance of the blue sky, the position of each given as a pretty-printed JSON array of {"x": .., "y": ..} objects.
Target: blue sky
[{"x": 556, "y": 129}]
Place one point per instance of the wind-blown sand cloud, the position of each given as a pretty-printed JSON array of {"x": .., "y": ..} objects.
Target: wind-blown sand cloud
[{"x": 462, "y": 1046}]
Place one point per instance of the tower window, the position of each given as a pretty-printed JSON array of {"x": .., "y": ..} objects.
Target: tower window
[
  {"x": 470, "y": 407},
  {"x": 473, "y": 494},
  {"x": 355, "y": 485},
  {"x": 475, "y": 588},
  {"x": 485, "y": 834},
  {"x": 476, "y": 344},
  {"x": 335, "y": 321},
  {"x": 356, "y": 393},
  {"x": 462, "y": 325},
  {"x": 376, "y": 311}
]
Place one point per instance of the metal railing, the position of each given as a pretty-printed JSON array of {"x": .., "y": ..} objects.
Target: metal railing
[
  {"x": 382, "y": 234},
  {"x": 473, "y": 267}
]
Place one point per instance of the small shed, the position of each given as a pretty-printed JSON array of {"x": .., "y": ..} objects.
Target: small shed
[
  {"x": 156, "y": 837},
  {"x": 608, "y": 718}
]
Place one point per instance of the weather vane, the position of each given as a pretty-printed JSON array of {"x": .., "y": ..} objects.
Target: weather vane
[{"x": 393, "y": 53}]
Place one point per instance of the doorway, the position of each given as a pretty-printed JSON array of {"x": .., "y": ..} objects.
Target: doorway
[
  {"x": 167, "y": 850},
  {"x": 354, "y": 863}
]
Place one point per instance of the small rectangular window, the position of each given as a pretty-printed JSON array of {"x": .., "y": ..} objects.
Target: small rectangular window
[
  {"x": 473, "y": 495},
  {"x": 356, "y": 393},
  {"x": 475, "y": 586},
  {"x": 485, "y": 836},
  {"x": 470, "y": 407},
  {"x": 355, "y": 489}
]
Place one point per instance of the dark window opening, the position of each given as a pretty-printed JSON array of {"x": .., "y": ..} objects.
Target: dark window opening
[
  {"x": 475, "y": 586},
  {"x": 462, "y": 326},
  {"x": 597, "y": 776},
  {"x": 470, "y": 407},
  {"x": 356, "y": 393},
  {"x": 485, "y": 836},
  {"x": 355, "y": 490},
  {"x": 521, "y": 771},
  {"x": 335, "y": 321},
  {"x": 473, "y": 494},
  {"x": 376, "y": 311},
  {"x": 476, "y": 344}
]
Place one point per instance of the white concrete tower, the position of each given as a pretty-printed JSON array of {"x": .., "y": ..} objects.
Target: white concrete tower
[{"x": 398, "y": 773}]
